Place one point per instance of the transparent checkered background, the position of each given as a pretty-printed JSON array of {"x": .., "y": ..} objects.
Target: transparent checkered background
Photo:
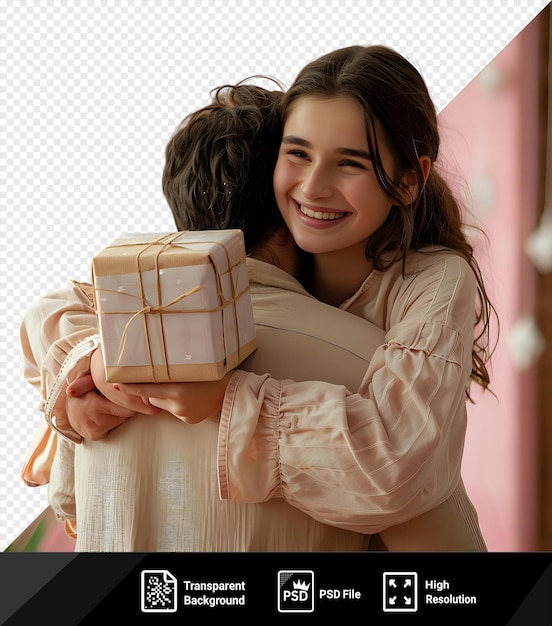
[{"x": 91, "y": 92}]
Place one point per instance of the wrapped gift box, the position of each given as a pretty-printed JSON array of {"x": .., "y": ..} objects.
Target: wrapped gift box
[{"x": 173, "y": 307}]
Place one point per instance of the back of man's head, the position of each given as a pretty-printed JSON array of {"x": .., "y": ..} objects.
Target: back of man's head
[{"x": 220, "y": 162}]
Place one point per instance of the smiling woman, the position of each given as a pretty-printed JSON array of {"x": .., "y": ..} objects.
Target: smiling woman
[
  {"x": 360, "y": 140},
  {"x": 326, "y": 187},
  {"x": 382, "y": 455},
  {"x": 357, "y": 185}
]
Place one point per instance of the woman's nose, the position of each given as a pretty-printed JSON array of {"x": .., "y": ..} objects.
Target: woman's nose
[{"x": 316, "y": 183}]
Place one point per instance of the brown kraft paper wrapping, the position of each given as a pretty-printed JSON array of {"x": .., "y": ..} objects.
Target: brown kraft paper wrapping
[{"x": 173, "y": 307}]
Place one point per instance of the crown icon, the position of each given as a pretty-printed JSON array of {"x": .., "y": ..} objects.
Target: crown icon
[{"x": 301, "y": 585}]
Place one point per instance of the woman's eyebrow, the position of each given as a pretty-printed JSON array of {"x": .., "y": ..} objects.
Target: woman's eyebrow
[
  {"x": 362, "y": 154},
  {"x": 354, "y": 152},
  {"x": 296, "y": 140}
]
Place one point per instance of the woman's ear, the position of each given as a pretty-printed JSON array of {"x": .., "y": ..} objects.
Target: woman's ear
[
  {"x": 425, "y": 164},
  {"x": 410, "y": 180}
]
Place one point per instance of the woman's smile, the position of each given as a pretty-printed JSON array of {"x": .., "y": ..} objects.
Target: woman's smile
[
  {"x": 324, "y": 181},
  {"x": 321, "y": 214}
]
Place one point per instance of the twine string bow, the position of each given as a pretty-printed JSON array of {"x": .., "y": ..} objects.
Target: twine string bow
[{"x": 157, "y": 308}]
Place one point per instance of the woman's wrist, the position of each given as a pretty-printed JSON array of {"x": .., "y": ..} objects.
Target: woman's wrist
[{"x": 76, "y": 363}]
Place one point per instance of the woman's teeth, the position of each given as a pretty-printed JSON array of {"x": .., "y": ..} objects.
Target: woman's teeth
[{"x": 317, "y": 215}]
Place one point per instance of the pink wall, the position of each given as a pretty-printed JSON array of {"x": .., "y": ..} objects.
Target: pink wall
[{"x": 489, "y": 137}]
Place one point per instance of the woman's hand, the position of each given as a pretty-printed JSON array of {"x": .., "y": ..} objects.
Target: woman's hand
[
  {"x": 93, "y": 408},
  {"x": 191, "y": 402},
  {"x": 89, "y": 413},
  {"x": 128, "y": 401}
]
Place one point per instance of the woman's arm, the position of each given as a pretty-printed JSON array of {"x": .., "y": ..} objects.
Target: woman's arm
[
  {"x": 58, "y": 336},
  {"x": 51, "y": 328},
  {"x": 371, "y": 459},
  {"x": 366, "y": 460}
]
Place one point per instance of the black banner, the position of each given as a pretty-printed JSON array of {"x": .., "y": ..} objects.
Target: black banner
[{"x": 384, "y": 588}]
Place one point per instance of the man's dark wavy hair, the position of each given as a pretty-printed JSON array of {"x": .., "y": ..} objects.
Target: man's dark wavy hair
[{"x": 220, "y": 163}]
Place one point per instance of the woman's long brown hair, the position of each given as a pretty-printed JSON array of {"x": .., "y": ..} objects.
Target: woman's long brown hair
[{"x": 394, "y": 99}]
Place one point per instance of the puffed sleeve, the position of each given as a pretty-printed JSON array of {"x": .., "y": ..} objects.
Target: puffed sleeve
[
  {"x": 57, "y": 334},
  {"x": 372, "y": 459}
]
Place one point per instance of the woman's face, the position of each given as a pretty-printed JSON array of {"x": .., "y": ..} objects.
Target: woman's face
[{"x": 324, "y": 181}]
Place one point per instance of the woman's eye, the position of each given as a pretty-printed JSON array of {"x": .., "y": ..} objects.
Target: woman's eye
[
  {"x": 348, "y": 163},
  {"x": 297, "y": 153}
]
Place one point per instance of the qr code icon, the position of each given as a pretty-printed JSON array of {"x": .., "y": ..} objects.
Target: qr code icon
[{"x": 158, "y": 591}]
